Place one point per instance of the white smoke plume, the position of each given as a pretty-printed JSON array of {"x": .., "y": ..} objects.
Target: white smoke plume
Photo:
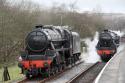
[
  {"x": 91, "y": 55},
  {"x": 119, "y": 33}
]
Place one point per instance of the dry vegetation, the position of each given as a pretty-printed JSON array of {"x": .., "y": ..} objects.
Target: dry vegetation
[
  {"x": 17, "y": 20},
  {"x": 14, "y": 24}
]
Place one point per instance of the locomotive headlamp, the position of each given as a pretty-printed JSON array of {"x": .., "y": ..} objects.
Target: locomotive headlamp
[
  {"x": 46, "y": 64},
  {"x": 20, "y": 59},
  {"x": 112, "y": 51}
]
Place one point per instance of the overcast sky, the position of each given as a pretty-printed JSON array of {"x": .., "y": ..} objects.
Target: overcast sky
[{"x": 109, "y": 6}]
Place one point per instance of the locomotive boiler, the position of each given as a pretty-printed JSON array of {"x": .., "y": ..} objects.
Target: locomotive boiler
[
  {"x": 48, "y": 50},
  {"x": 107, "y": 44}
]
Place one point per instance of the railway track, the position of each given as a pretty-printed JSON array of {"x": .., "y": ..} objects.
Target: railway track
[
  {"x": 41, "y": 80},
  {"x": 88, "y": 75}
]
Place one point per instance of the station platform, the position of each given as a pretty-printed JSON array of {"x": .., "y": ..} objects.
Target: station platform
[{"x": 114, "y": 70}]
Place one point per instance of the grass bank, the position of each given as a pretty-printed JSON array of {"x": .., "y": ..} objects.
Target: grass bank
[{"x": 14, "y": 72}]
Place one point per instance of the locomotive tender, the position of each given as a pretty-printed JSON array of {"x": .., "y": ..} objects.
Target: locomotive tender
[
  {"x": 49, "y": 49},
  {"x": 107, "y": 44}
]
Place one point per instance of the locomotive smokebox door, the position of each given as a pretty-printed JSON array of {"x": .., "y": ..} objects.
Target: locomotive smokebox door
[{"x": 37, "y": 41}]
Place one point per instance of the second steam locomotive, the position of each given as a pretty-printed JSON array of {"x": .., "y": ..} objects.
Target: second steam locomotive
[
  {"x": 107, "y": 44},
  {"x": 48, "y": 50}
]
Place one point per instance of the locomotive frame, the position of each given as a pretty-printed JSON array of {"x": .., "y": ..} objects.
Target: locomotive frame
[
  {"x": 107, "y": 45},
  {"x": 62, "y": 48}
]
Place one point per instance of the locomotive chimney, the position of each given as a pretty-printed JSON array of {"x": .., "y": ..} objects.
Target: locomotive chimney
[
  {"x": 106, "y": 30},
  {"x": 39, "y": 26}
]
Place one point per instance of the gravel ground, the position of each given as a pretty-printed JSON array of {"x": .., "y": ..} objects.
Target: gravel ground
[
  {"x": 69, "y": 74},
  {"x": 89, "y": 76}
]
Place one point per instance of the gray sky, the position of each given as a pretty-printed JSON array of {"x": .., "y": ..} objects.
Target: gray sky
[{"x": 112, "y": 6}]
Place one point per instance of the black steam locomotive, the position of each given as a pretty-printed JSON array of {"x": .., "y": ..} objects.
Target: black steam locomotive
[
  {"x": 49, "y": 49},
  {"x": 107, "y": 44}
]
